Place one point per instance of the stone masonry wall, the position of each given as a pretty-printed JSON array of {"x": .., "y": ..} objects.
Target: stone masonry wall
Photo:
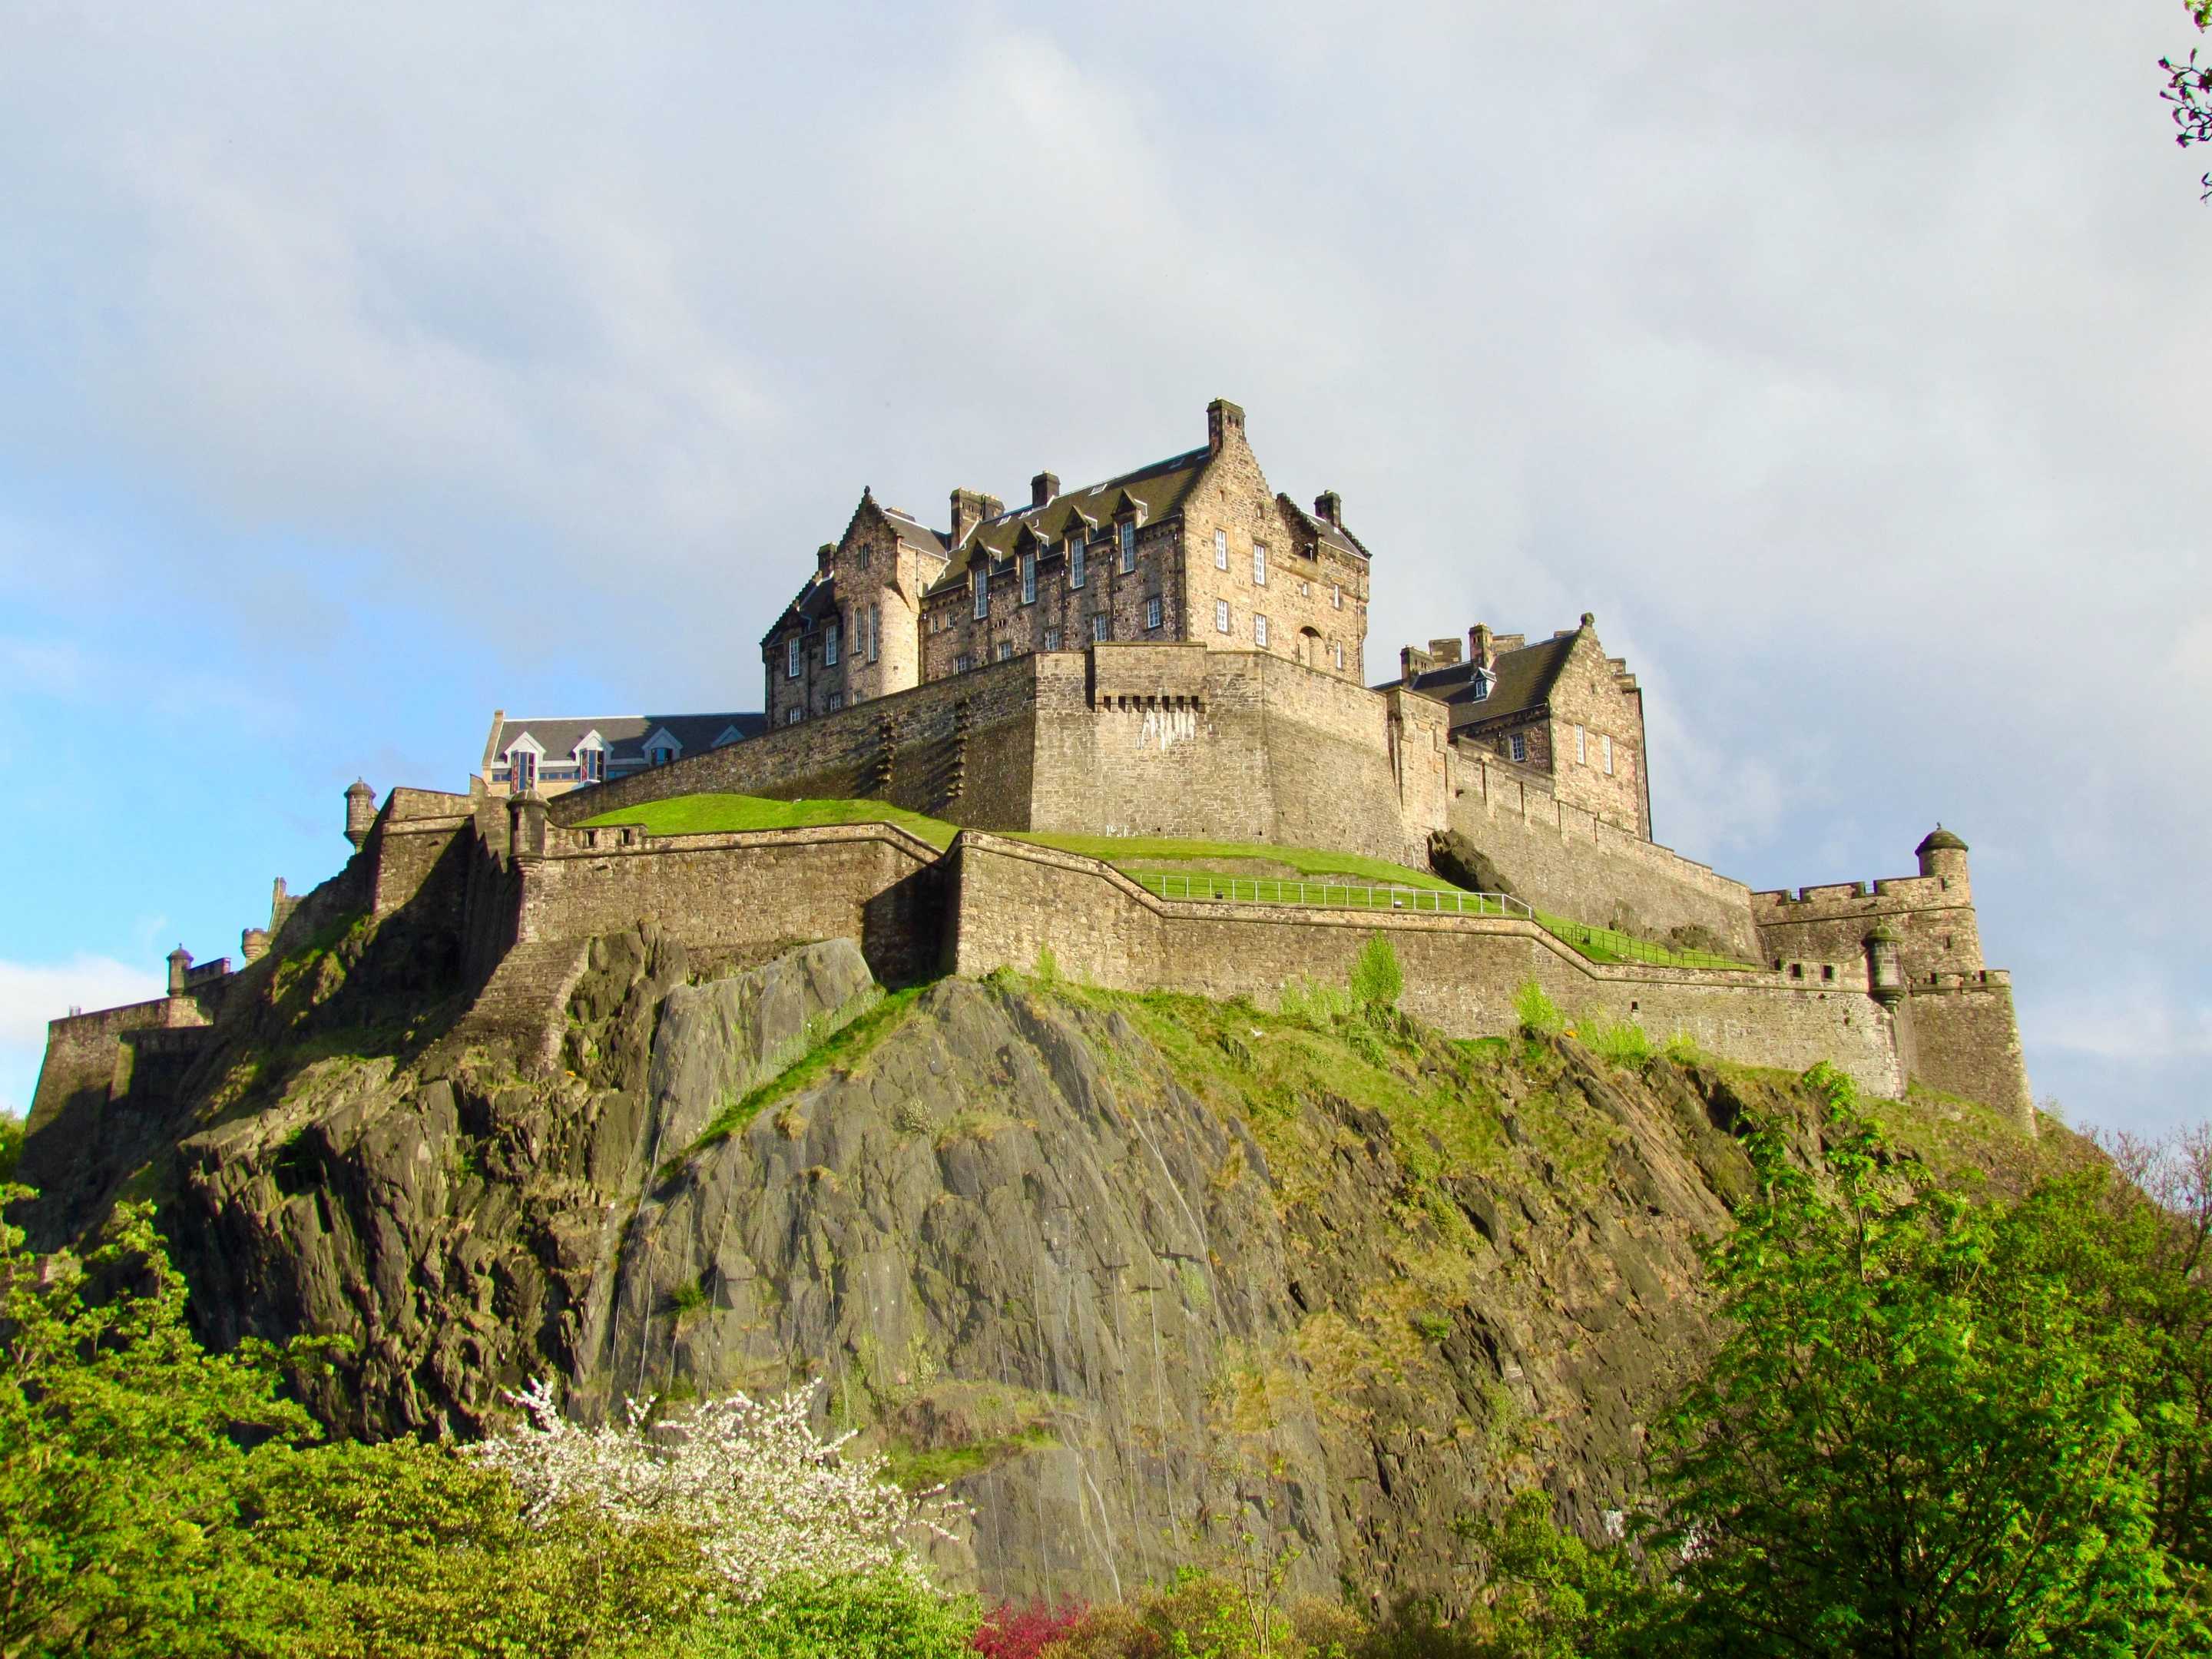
[
  {"x": 1589, "y": 698},
  {"x": 1568, "y": 861},
  {"x": 741, "y": 897},
  {"x": 1013, "y": 902},
  {"x": 1965, "y": 1041}
]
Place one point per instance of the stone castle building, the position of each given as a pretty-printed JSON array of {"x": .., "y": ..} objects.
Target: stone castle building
[{"x": 1177, "y": 651}]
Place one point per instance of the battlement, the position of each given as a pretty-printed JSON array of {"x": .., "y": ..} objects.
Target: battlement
[{"x": 1913, "y": 891}]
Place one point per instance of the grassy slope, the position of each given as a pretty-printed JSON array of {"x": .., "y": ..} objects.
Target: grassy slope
[{"x": 695, "y": 815}]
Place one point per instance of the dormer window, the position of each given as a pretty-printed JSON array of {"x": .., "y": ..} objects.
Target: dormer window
[
  {"x": 1129, "y": 546},
  {"x": 1077, "y": 551},
  {"x": 981, "y": 582},
  {"x": 521, "y": 770},
  {"x": 1484, "y": 679},
  {"x": 1029, "y": 579},
  {"x": 591, "y": 764}
]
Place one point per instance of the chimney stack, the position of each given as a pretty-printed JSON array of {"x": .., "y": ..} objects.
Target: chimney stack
[
  {"x": 1043, "y": 488},
  {"x": 823, "y": 554},
  {"x": 970, "y": 508},
  {"x": 1443, "y": 653},
  {"x": 1480, "y": 650},
  {"x": 1328, "y": 506},
  {"x": 1223, "y": 419}
]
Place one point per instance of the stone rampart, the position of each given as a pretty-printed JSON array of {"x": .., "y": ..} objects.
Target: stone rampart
[
  {"x": 417, "y": 854},
  {"x": 732, "y": 897},
  {"x": 1933, "y": 917},
  {"x": 1013, "y": 902},
  {"x": 1569, "y": 861}
]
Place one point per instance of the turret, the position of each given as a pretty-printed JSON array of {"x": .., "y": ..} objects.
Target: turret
[
  {"x": 1943, "y": 855},
  {"x": 254, "y": 944},
  {"x": 360, "y": 812},
  {"x": 525, "y": 818},
  {"x": 180, "y": 963},
  {"x": 1885, "y": 970}
]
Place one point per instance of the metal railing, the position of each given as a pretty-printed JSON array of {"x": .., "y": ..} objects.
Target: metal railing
[
  {"x": 1327, "y": 895},
  {"x": 1601, "y": 942}
]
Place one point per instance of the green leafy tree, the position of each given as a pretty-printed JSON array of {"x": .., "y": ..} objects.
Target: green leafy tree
[
  {"x": 2189, "y": 90},
  {"x": 1916, "y": 1437}
]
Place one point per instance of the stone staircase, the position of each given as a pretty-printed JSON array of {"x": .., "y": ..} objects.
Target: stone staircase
[{"x": 524, "y": 1001}]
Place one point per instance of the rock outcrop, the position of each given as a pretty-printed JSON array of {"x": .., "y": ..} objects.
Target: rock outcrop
[{"x": 1149, "y": 1279}]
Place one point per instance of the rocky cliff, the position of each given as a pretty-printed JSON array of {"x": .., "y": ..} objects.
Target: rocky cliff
[{"x": 1149, "y": 1279}]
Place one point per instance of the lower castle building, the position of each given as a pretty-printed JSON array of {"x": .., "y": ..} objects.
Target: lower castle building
[{"x": 1177, "y": 650}]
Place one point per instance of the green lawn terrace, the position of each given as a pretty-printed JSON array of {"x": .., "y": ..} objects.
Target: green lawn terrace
[{"x": 1221, "y": 870}]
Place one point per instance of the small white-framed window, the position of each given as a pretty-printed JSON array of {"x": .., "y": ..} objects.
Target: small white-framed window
[
  {"x": 1221, "y": 616},
  {"x": 1029, "y": 579},
  {"x": 1077, "y": 551},
  {"x": 1152, "y": 612},
  {"x": 1129, "y": 546},
  {"x": 1339, "y": 649},
  {"x": 1221, "y": 549},
  {"x": 1259, "y": 565},
  {"x": 1581, "y": 747},
  {"x": 1258, "y": 629},
  {"x": 1100, "y": 628},
  {"x": 1002, "y": 650},
  {"x": 1519, "y": 746},
  {"x": 1052, "y": 639},
  {"x": 981, "y": 580},
  {"x": 1606, "y": 748},
  {"x": 875, "y": 631},
  {"x": 1484, "y": 679},
  {"x": 521, "y": 770},
  {"x": 792, "y": 716},
  {"x": 829, "y": 646},
  {"x": 962, "y": 663},
  {"x": 1336, "y": 595},
  {"x": 791, "y": 657},
  {"x": 591, "y": 764},
  {"x": 836, "y": 700}
]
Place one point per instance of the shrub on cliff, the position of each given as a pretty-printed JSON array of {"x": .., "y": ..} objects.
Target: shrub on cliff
[{"x": 1377, "y": 981}]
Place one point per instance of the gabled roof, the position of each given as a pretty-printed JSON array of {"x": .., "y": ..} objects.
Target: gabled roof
[
  {"x": 1333, "y": 535},
  {"x": 624, "y": 735},
  {"x": 1523, "y": 684},
  {"x": 1154, "y": 491}
]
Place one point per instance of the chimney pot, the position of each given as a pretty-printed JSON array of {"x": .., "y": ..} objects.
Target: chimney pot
[
  {"x": 1328, "y": 506},
  {"x": 1043, "y": 488},
  {"x": 1223, "y": 419}
]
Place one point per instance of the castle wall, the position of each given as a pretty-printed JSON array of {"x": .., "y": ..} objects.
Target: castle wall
[
  {"x": 1965, "y": 1041},
  {"x": 742, "y": 897},
  {"x": 417, "y": 854},
  {"x": 1588, "y": 694},
  {"x": 1933, "y": 917},
  {"x": 82, "y": 1052},
  {"x": 1569, "y": 861},
  {"x": 1013, "y": 902}
]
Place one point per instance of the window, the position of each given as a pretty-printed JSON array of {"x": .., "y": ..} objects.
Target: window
[
  {"x": 1306, "y": 588},
  {"x": 836, "y": 699},
  {"x": 791, "y": 659},
  {"x": 1029, "y": 579},
  {"x": 1339, "y": 659},
  {"x": 867, "y": 557},
  {"x": 1607, "y": 746},
  {"x": 1076, "y": 551},
  {"x": 1581, "y": 747},
  {"x": 1002, "y": 650},
  {"x": 659, "y": 754},
  {"x": 792, "y": 716},
  {"x": 1520, "y": 746},
  {"x": 829, "y": 646},
  {"x": 1052, "y": 639},
  {"x": 1259, "y": 631},
  {"x": 1336, "y": 595},
  {"x": 1259, "y": 565},
  {"x": 981, "y": 581},
  {"x": 522, "y": 771},
  {"x": 1484, "y": 679},
  {"x": 1152, "y": 612},
  {"x": 1221, "y": 616},
  {"x": 591, "y": 765},
  {"x": 1129, "y": 546},
  {"x": 875, "y": 630},
  {"x": 962, "y": 663},
  {"x": 1221, "y": 549},
  {"x": 1098, "y": 627}
]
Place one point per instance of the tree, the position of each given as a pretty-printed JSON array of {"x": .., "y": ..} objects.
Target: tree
[
  {"x": 1917, "y": 1437},
  {"x": 2189, "y": 89}
]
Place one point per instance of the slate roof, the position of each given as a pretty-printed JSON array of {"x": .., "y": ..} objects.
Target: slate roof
[
  {"x": 1523, "y": 684},
  {"x": 1158, "y": 490},
  {"x": 625, "y": 734}
]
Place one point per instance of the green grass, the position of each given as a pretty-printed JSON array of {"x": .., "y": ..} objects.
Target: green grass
[
  {"x": 1347, "y": 873},
  {"x": 709, "y": 815}
]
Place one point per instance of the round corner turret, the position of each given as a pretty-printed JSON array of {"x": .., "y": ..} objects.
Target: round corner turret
[
  {"x": 1942, "y": 853},
  {"x": 1885, "y": 964},
  {"x": 180, "y": 962},
  {"x": 361, "y": 812}
]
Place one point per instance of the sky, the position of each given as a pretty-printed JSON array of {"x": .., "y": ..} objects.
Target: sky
[{"x": 364, "y": 369}]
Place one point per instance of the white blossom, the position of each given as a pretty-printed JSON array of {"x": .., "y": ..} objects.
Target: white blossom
[{"x": 766, "y": 1496}]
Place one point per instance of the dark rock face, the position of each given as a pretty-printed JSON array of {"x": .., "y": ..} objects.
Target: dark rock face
[
  {"x": 1151, "y": 1280},
  {"x": 1463, "y": 864}
]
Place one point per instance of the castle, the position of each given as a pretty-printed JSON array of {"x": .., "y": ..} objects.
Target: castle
[{"x": 1178, "y": 651}]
